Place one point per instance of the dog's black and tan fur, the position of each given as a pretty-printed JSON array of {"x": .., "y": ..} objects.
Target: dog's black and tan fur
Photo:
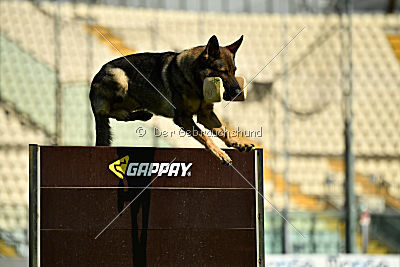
[{"x": 118, "y": 91}]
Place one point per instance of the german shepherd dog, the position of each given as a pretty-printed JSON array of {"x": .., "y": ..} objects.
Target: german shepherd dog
[{"x": 119, "y": 91}]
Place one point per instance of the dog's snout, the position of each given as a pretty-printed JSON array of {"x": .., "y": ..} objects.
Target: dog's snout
[
  {"x": 232, "y": 88},
  {"x": 234, "y": 91},
  {"x": 237, "y": 91},
  {"x": 232, "y": 94}
]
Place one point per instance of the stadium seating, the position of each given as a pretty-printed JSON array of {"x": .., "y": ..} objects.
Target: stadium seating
[{"x": 315, "y": 141}]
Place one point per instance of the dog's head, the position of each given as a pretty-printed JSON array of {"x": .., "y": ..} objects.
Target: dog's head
[{"x": 218, "y": 61}]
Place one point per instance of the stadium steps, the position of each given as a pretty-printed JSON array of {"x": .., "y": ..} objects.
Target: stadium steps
[
  {"x": 394, "y": 40},
  {"x": 24, "y": 119},
  {"x": 312, "y": 203},
  {"x": 368, "y": 187},
  {"x": 299, "y": 199},
  {"x": 27, "y": 84},
  {"x": 116, "y": 41},
  {"x": 7, "y": 250}
]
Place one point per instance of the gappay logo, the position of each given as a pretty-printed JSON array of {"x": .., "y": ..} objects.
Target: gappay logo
[{"x": 123, "y": 167}]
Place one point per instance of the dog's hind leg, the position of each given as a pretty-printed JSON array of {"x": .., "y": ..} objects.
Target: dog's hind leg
[
  {"x": 103, "y": 130},
  {"x": 123, "y": 115},
  {"x": 101, "y": 108},
  {"x": 140, "y": 115}
]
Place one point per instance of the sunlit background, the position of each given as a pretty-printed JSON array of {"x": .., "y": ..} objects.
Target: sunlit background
[{"x": 342, "y": 69}]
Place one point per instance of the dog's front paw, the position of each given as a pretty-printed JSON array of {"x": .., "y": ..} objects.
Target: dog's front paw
[
  {"x": 222, "y": 156},
  {"x": 226, "y": 160},
  {"x": 241, "y": 146}
]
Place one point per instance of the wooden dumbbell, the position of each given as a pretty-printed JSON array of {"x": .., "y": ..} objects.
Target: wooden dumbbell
[{"x": 213, "y": 89}]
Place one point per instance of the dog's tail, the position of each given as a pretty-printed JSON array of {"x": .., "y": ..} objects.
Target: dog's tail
[{"x": 103, "y": 130}]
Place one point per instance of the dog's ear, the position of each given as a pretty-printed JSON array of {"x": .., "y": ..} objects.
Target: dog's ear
[
  {"x": 212, "y": 48},
  {"x": 235, "y": 46}
]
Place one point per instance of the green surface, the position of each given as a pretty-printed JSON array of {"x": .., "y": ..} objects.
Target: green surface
[{"x": 27, "y": 83}]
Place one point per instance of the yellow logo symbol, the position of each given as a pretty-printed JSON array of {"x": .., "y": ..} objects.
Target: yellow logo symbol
[{"x": 119, "y": 167}]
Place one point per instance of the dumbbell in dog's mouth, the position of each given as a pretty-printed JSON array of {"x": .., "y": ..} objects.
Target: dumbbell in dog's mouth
[{"x": 214, "y": 90}]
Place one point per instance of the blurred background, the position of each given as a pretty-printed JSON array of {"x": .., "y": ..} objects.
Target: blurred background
[{"x": 327, "y": 107}]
